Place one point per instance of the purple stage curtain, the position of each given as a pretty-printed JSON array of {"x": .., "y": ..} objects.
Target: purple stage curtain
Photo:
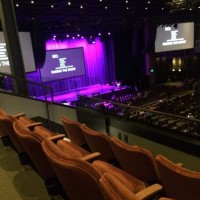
[{"x": 99, "y": 62}]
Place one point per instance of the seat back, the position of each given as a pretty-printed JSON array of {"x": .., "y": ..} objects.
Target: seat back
[
  {"x": 3, "y": 133},
  {"x": 6, "y": 128},
  {"x": 178, "y": 183},
  {"x": 73, "y": 131},
  {"x": 31, "y": 141},
  {"x": 113, "y": 189},
  {"x": 78, "y": 178},
  {"x": 3, "y": 112},
  {"x": 98, "y": 142},
  {"x": 74, "y": 150},
  {"x": 135, "y": 160}
]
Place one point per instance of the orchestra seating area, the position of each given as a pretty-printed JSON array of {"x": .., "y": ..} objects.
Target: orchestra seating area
[
  {"x": 169, "y": 106},
  {"x": 85, "y": 164}
]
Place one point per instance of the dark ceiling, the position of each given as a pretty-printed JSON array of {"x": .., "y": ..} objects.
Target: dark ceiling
[{"x": 93, "y": 16}]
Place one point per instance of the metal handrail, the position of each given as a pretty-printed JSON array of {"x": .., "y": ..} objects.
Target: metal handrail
[
  {"x": 146, "y": 110},
  {"x": 45, "y": 88}
]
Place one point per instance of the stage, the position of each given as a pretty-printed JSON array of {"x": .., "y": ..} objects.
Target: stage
[{"x": 70, "y": 96}]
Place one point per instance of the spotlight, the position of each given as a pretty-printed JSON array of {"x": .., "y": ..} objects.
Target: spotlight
[{"x": 91, "y": 40}]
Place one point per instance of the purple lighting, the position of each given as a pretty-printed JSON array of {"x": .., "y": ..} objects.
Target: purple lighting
[
  {"x": 99, "y": 65},
  {"x": 97, "y": 69}
]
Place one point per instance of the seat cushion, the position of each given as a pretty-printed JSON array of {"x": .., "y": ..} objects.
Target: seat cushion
[
  {"x": 111, "y": 185},
  {"x": 72, "y": 149},
  {"x": 132, "y": 183},
  {"x": 26, "y": 120},
  {"x": 43, "y": 132}
]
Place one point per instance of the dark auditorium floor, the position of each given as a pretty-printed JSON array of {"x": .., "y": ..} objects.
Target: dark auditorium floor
[{"x": 18, "y": 182}]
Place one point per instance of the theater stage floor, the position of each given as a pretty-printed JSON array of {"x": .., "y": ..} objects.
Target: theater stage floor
[{"x": 69, "y": 96}]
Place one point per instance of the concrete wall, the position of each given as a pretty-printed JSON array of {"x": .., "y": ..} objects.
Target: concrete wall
[{"x": 13, "y": 104}]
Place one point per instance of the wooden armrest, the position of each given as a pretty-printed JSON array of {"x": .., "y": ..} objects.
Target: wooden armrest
[
  {"x": 33, "y": 124},
  {"x": 17, "y": 116},
  {"x": 91, "y": 156},
  {"x": 66, "y": 139},
  {"x": 179, "y": 164},
  {"x": 149, "y": 191},
  {"x": 57, "y": 137}
]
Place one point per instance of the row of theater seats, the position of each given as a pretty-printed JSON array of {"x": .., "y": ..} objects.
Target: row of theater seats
[
  {"x": 178, "y": 183},
  {"x": 64, "y": 166},
  {"x": 84, "y": 169}
]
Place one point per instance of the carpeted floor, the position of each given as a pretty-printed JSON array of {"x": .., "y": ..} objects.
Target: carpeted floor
[{"x": 18, "y": 182}]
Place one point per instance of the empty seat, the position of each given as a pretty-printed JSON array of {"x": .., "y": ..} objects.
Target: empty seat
[
  {"x": 178, "y": 182},
  {"x": 74, "y": 132},
  {"x": 135, "y": 160},
  {"x": 99, "y": 142},
  {"x": 79, "y": 178},
  {"x": 31, "y": 142},
  {"x": 113, "y": 189},
  {"x": 5, "y": 132},
  {"x": 6, "y": 127}
]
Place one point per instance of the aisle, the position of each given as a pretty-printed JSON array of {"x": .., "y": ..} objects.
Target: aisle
[{"x": 16, "y": 182}]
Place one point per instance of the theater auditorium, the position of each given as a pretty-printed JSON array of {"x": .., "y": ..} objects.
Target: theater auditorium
[{"x": 99, "y": 100}]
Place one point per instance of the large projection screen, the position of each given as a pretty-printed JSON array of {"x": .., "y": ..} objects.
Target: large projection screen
[
  {"x": 62, "y": 64},
  {"x": 171, "y": 38},
  {"x": 27, "y": 53}
]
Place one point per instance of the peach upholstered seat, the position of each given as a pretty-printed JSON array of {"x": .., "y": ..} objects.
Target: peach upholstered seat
[
  {"x": 135, "y": 160},
  {"x": 80, "y": 178},
  {"x": 113, "y": 189},
  {"x": 99, "y": 142},
  {"x": 178, "y": 182}
]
